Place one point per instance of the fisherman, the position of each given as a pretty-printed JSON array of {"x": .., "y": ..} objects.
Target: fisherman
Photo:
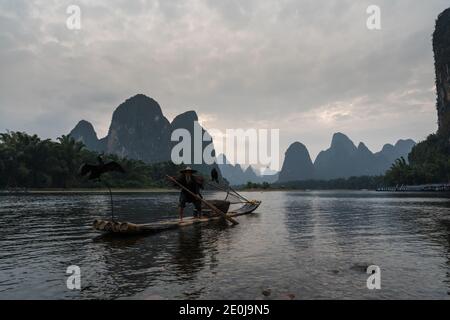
[{"x": 193, "y": 184}]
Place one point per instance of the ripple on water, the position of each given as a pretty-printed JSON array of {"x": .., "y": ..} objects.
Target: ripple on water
[{"x": 303, "y": 244}]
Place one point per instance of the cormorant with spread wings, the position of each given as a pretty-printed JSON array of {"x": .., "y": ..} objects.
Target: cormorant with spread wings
[{"x": 96, "y": 171}]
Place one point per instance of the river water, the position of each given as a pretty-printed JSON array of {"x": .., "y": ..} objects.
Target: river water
[{"x": 307, "y": 245}]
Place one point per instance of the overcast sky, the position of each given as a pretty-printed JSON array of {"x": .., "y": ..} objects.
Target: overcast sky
[{"x": 307, "y": 67}]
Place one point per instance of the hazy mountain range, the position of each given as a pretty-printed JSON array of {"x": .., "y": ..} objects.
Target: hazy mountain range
[
  {"x": 342, "y": 160},
  {"x": 236, "y": 175},
  {"x": 139, "y": 130}
]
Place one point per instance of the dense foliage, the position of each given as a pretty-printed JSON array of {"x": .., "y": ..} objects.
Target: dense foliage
[
  {"x": 429, "y": 162},
  {"x": 26, "y": 161},
  {"x": 29, "y": 162}
]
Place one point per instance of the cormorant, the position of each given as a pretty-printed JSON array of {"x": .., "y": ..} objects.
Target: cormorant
[
  {"x": 214, "y": 175},
  {"x": 95, "y": 171}
]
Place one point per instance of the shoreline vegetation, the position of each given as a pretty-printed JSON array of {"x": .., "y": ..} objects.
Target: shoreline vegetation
[
  {"x": 254, "y": 188},
  {"x": 352, "y": 183},
  {"x": 87, "y": 190},
  {"x": 29, "y": 164}
]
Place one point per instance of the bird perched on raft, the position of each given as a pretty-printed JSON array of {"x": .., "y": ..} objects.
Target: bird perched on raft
[
  {"x": 214, "y": 175},
  {"x": 96, "y": 171}
]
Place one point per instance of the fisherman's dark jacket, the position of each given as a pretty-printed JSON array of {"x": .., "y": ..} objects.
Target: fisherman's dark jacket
[{"x": 194, "y": 185}]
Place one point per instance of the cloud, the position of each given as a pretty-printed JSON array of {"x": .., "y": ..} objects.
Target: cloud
[{"x": 307, "y": 67}]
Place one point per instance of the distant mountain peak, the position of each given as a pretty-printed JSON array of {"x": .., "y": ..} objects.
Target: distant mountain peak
[
  {"x": 84, "y": 126},
  {"x": 250, "y": 170},
  {"x": 405, "y": 142},
  {"x": 299, "y": 151},
  {"x": 139, "y": 105},
  {"x": 139, "y": 131},
  {"x": 387, "y": 147},
  {"x": 340, "y": 135},
  {"x": 296, "y": 146},
  {"x": 363, "y": 147},
  {"x": 297, "y": 164},
  {"x": 140, "y": 97},
  {"x": 341, "y": 140},
  {"x": 186, "y": 117},
  {"x": 84, "y": 123},
  {"x": 84, "y": 132}
]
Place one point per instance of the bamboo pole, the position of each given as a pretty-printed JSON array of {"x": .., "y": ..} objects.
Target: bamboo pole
[{"x": 212, "y": 207}]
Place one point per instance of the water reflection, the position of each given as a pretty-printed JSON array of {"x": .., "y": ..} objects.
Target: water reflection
[
  {"x": 347, "y": 231},
  {"x": 299, "y": 219},
  {"x": 188, "y": 256},
  {"x": 311, "y": 244}
]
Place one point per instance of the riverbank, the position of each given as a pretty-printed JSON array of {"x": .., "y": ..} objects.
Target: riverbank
[
  {"x": 87, "y": 190},
  {"x": 167, "y": 190},
  {"x": 149, "y": 190},
  {"x": 439, "y": 187}
]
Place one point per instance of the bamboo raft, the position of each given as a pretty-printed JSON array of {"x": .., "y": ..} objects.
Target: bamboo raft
[{"x": 127, "y": 228}]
